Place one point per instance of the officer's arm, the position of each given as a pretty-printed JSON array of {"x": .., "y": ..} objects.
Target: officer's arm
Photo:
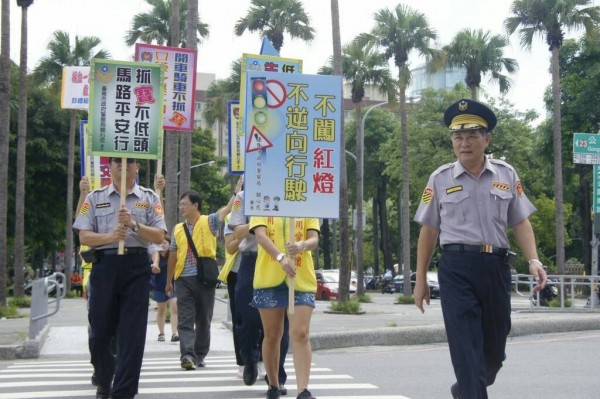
[
  {"x": 231, "y": 243},
  {"x": 523, "y": 232},
  {"x": 241, "y": 231},
  {"x": 94, "y": 240},
  {"x": 425, "y": 247}
]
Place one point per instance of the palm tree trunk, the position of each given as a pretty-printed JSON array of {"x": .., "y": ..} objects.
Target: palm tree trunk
[
  {"x": 344, "y": 285},
  {"x": 172, "y": 143},
  {"x": 376, "y": 269},
  {"x": 404, "y": 206},
  {"x": 359, "y": 199},
  {"x": 558, "y": 179},
  {"x": 19, "y": 259},
  {"x": 185, "y": 161},
  {"x": 473, "y": 92},
  {"x": 4, "y": 130}
]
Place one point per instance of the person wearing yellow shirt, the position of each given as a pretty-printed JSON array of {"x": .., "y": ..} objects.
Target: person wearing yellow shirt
[{"x": 281, "y": 257}]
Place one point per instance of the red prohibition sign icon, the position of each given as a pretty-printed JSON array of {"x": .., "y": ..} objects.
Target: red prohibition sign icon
[{"x": 277, "y": 93}]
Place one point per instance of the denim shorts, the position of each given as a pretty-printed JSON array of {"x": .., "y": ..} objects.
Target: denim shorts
[
  {"x": 160, "y": 296},
  {"x": 277, "y": 297}
]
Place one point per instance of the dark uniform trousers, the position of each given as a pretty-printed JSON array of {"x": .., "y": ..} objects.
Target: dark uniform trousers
[
  {"x": 248, "y": 326},
  {"x": 119, "y": 305},
  {"x": 231, "y": 283},
  {"x": 195, "y": 305},
  {"x": 475, "y": 289}
]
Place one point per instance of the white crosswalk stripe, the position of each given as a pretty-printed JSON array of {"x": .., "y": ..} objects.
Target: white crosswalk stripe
[{"x": 163, "y": 377}]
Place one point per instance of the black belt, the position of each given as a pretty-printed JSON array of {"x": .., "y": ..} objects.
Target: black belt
[
  {"x": 484, "y": 249},
  {"x": 127, "y": 251}
]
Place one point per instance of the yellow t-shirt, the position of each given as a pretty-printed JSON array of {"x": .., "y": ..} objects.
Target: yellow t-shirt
[{"x": 268, "y": 272}]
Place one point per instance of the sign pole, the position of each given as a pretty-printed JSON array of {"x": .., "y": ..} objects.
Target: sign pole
[{"x": 291, "y": 286}]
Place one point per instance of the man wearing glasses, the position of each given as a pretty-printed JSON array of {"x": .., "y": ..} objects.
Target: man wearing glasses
[
  {"x": 195, "y": 301},
  {"x": 120, "y": 281}
]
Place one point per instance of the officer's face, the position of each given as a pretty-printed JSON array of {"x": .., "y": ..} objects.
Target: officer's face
[
  {"x": 116, "y": 166},
  {"x": 469, "y": 146}
]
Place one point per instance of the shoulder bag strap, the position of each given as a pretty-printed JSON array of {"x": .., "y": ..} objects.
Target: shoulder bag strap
[{"x": 190, "y": 241}]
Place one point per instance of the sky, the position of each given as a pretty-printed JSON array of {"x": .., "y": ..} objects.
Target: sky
[{"x": 111, "y": 19}]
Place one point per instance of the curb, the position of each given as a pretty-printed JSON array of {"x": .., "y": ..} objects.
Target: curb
[{"x": 30, "y": 349}]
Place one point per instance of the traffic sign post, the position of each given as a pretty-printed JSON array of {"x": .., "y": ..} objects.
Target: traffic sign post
[{"x": 586, "y": 150}]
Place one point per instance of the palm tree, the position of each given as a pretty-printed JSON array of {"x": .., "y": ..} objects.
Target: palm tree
[
  {"x": 399, "y": 32},
  {"x": 19, "y": 259},
  {"x": 549, "y": 18},
  {"x": 163, "y": 25},
  {"x": 156, "y": 26},
  {"x": 362, "y": 65},
  {"x": 480, "y": 53},
  {"x": 273, "y": 18},
  {"x": 49, "y": 72},
  {"x": 344, "y": 286},
  {"x": 5, "y": 87}
]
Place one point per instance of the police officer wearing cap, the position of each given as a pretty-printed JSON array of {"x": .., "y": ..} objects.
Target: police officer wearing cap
[
  {"x": 470, "y": 204},
  {"x": 121, "y": 282}
]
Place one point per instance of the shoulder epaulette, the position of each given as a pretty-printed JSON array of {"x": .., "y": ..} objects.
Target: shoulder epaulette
[{"x": 443, "y": 168}]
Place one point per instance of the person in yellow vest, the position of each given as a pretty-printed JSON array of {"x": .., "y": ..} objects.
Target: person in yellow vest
[
  {"x": 279, "y": 258},
  {"x": 228, "y": 275},
  {"x": 195, "y": 300}
]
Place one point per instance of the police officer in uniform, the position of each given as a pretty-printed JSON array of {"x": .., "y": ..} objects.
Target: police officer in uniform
[
  {"x": 470, "y": 204},
  {"x": 121, "y": 282}
]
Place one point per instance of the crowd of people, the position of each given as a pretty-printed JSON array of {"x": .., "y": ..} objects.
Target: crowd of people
[{"x": 468, "y": 204}]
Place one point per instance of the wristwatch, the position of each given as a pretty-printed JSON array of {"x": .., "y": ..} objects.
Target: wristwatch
[
  {"x": 279, "y": 257},
  {"x": 136, "y": 227}
]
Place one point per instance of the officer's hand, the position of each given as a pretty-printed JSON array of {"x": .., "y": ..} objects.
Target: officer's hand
[
  {"x": 159, "y": 182},
  {"x": 120, "y": 232},
  {"x": 125, "y": 217},
  {"x": 288, "y": 267},
  {"x": 169, "y": 289},
  {"x": 84, "y": 185},
  {"x": 539, "y": 275},
  {"x": 421, "y": 293}
]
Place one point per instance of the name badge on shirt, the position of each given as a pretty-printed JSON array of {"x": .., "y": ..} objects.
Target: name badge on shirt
[
  {"x": 454, "y": 189},
  {"x": 103, "y": 205}
]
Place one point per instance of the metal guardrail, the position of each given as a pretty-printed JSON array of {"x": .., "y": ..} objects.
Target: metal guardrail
[
  {"x": 40, "y": 301},
  {"x": 571, "y": 287}
]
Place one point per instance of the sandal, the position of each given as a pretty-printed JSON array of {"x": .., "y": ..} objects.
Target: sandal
[{"x": 161, "y": 337}]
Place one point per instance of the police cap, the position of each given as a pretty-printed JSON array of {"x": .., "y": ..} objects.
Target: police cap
[{"x": 466, "y": 114}]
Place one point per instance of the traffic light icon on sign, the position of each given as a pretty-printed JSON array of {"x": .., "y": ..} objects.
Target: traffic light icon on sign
[{"x": 259, "y": 100}]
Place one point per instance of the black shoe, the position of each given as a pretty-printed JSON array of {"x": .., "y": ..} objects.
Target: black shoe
[
  {"x": 305, "y": 394},
  {"x": 273, "y": 393},
  {"x": 102, "y": 393},
  {"x": 454, "y": 390},
  {"x": 94, "y": 380},
  {"x": 200, "y": 363},
  {"x": 250, "y": 374},
  {"x": 282, "y": 390}
]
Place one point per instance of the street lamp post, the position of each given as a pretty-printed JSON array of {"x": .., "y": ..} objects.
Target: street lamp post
[
  {"x": 198, "y": 165},
  {"x": 360, "y": 167}
]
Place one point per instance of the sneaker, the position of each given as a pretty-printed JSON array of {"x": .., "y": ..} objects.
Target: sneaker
[
  {"x": 262, "y": 373},
  {"x": 240, "y": 373},
  {"x": 250, "y": 374},
  {"x": 282, "y": 390},
  {"x": 187, "y": 364},
  {"x": 174, "y": 338},
  {"x": 305, "y": 394},
  {"x": 273, "y": 393}
]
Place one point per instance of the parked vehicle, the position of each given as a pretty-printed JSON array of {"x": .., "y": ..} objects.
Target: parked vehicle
[
  {"x": 372, "y": 282},
  {"x": 432, "y": 281},
  {"x": 547, "y": 294},
  {"x": 328, "y": 284}
]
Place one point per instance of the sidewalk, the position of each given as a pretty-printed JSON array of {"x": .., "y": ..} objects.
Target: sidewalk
[{"x": 383, "y": 323}]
